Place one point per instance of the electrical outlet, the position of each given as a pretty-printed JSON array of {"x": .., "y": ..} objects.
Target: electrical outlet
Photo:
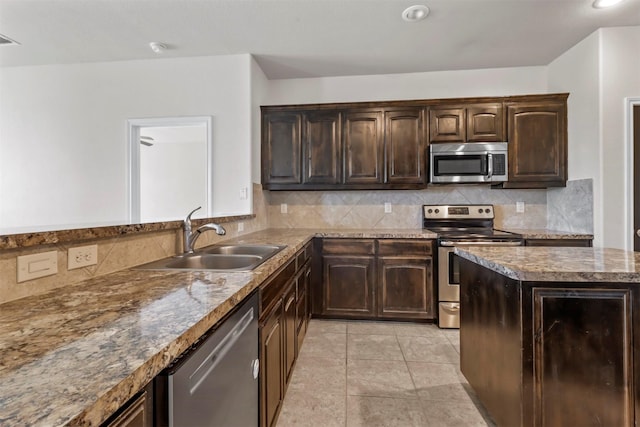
[
  {"x": 283, "y": 208},
  {"x": 388, "y": 208},
  {"x": 520, "y": 207},
  {"x": 240, "y": 227},
  {"x": 37, "y": 265},
  {"x": 82, "y": 256}
]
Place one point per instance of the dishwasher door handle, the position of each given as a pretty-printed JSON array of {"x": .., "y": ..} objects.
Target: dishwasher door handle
[{"x": 217, "y": 354}]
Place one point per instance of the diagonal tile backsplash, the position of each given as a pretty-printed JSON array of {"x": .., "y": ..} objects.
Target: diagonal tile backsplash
[{"x": 365, "y": 209}]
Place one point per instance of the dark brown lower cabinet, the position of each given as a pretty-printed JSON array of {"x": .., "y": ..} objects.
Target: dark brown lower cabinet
[
  {"x": 550, "y": 353},
  {"x": 137, "y": 412},
  {"x": 283, "y": 323},
  {"x": 376, "y": 278},
  {"x": 272, "y": 363}
]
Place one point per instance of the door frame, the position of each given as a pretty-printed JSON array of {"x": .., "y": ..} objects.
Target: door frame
[{"x": 630, "y": 102}]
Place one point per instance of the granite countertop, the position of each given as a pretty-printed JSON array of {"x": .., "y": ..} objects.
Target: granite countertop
[
  {"x": 543, "y": 233},
  {"x": 553, "y": 264},
  {"x": 76, "y": 354}
]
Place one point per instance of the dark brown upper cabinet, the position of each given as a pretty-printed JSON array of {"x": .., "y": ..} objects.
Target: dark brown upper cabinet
[
  {"x": 362, "y": 137},
  {"x": 282, "y": 136},
  {"x": 537, "y": 134},
  {"x": 405, "y": 146},
  {"x": 469, "y": 123},
  {"x": 447, "y": 124},
  {"x": 321, "y": 147},
  {"x": 485, "y": 123},
  {"x": 385, "y": 145}
]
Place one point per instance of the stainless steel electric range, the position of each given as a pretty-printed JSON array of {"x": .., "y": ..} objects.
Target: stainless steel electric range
[{"x": 460, "y": 225}]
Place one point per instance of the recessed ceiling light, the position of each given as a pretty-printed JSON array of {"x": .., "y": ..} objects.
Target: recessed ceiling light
[
  {"x": 416, "y": 13},
  {"x": 158, "y": 47},
  {"x": 601, "y": 4}
]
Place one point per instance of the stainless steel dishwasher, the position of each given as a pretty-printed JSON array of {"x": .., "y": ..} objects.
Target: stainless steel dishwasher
[{"x": 216, "y": 382}]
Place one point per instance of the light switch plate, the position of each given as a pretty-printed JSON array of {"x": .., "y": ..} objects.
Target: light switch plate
[
  {"x": 520, "y": 207},
  {"x": 37, "y": 265},
  {"x": 283, "y": 208},
  {"x": 82, "y": 256},
  {"x": 388, "y": 208}
]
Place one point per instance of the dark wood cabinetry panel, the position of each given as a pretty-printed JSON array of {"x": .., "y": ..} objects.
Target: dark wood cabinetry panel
[
  {"x": 583, "y": 357},
  {"x": 281, "y": 143},
  {"x": 283, "y": 320},
  {"x": 348, "y": 289},
  {"x": 362, "y": 140},
  {"x": 550, "y": 353},
  {"x": 405, "y": 288},
  {"x": 385, "y": 278},
  {"x": 138, "y": 412},
  {"x": 272, "y": 365},
  {"x": 384, "y": 145},
  {"x": 290, "y": 331},
  {"x": 537, "y": 144},
  {"x": 447, "y": 124},
  {"x": 485, "y": 123},
  {"x": 405, "y": 146},
  {"x": 321, "y": 148}
]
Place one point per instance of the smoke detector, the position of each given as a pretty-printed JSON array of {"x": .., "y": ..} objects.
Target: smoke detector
[
  {"x": 415, "y": 13},
  {"x": 158, "y": 47}
]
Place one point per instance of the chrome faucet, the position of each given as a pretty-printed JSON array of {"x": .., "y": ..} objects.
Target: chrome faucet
[{"x": 190, "y": 236}]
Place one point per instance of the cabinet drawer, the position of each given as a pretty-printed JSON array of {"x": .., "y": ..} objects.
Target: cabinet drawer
[
  {"x": 348, "y": 247},
  {"x": 303, "y": 255},
  {"x": 404, "y": 247},
  {"x": 274, "y": 288}
]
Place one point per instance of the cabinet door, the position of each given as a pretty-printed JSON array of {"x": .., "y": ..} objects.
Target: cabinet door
[
  {"x": 484, "y": 122},
  {"x": 322, "y": 148},
  {"x": 290, "y": 331},
  {"x": 404, "y": 143},
  {"x": 272, "y": 366},
  {"x": 446, "y": 124},
  {"x": 136, "y": 414},
  {"x": 537, "y": 144},
  {"x": 348, "y": 289},
  {"x": 281, "y": 144},
  {"x": 405, "y": 288},
  {"x": 363, "y": 154}
]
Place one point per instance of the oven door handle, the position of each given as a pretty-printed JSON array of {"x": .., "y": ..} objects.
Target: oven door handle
[{"x": 450, "y": 243}]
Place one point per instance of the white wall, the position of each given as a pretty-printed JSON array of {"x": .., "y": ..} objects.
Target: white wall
[
  {"x": 259, "y": 87},
  {"x": 577, "y": 71},
  {"x": 63, "y": 141},
  {"x": 429, "y": 85},
  {"x": 620, "y": 79},
  {"x": 600, "y": 72}
]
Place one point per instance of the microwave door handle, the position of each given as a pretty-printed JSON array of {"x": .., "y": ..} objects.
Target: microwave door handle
[{"x": 490, "y": 165}]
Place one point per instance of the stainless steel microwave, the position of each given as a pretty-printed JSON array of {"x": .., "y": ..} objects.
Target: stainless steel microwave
[{"x": 468, "y": 162}]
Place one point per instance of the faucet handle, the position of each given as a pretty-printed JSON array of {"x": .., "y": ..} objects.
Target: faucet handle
[{"x": 188, "y": 219}]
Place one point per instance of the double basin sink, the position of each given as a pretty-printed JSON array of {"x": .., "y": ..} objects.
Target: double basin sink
[{"x": 241, "y": 257}]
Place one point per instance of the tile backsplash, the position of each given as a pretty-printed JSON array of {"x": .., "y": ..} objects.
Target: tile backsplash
[
  {"x": 365, "y": 209},
  {"x": 571, "y": 208}
]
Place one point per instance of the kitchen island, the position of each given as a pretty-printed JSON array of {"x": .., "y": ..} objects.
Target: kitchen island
[{"x": 547, "y": 334}]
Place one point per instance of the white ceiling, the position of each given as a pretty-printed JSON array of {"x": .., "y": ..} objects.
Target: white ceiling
[{"x": 306, "y": 38}]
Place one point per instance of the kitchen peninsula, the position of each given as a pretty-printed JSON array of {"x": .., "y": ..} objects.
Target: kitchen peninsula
[{"x": 547, "y": 334}]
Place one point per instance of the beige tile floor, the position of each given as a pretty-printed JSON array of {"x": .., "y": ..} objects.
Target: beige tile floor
[{"x": 391, "y": 374}]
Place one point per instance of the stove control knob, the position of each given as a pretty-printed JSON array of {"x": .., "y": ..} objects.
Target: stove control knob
[
  {"x": 480, "y": 210},
  {"x": 437, "y": 210},
  {"x": 487, "y": 211},
  {"x": 430, "y": 211}
]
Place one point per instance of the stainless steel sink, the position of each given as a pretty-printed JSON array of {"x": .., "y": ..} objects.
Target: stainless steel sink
[
  {"x": 218, "y": 258},
  {"x": 260, "y": 250}
]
